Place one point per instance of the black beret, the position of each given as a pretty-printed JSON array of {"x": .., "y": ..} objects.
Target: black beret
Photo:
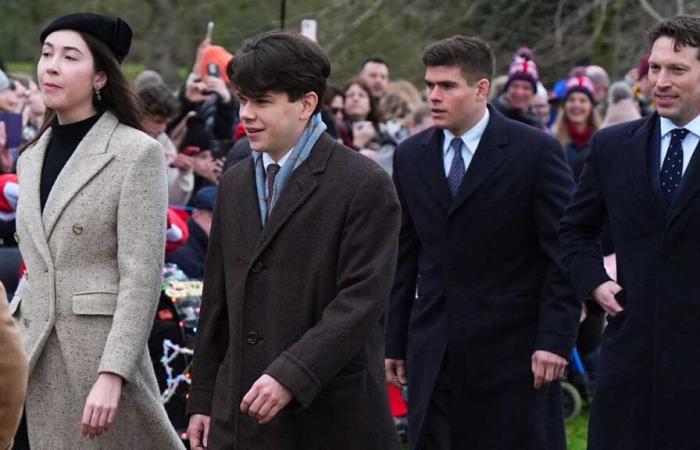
[{"x": 114, "y": 33}]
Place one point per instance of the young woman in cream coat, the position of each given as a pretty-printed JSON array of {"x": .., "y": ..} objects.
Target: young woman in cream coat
[{"x": 91, "y": 232}]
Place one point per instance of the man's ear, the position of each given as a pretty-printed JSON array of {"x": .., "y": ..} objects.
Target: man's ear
[
  {"x": 483, "y": 87},
  {"x": 308, "y": 105}
]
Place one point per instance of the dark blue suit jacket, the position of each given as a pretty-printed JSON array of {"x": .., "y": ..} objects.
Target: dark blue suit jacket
[
  {"x": 490, "y": 286},
  {"x": 648, "y": 394}
]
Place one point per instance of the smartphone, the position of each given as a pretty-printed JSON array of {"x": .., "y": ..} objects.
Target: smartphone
[
  {"x": 210, "y": 30},
  {"x": 191, "y": 150},
  {"x": 213, "y": 70},
  {"x": 13, "y": 128}
]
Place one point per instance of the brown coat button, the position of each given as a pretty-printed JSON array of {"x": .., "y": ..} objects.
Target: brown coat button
[
  {"x": 252, "y": 338},
  {"x": 77, "y": 228},
  {"x": 257, "y": 267}
]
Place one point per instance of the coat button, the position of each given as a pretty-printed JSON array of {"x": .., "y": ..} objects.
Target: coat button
[
  {"x": 252, "y": 338},
  {"x": 26, "y": 322},
  {"x": 77, "y": 228},
  {"x": 26, "y": 276},
  {"x": 257, "y": 267}
]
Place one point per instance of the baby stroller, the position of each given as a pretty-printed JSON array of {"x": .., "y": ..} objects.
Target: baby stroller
[{"x": 576, "y": 389}]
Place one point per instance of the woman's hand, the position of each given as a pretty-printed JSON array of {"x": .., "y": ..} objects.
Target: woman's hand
[{"x": 101, "y": 405}]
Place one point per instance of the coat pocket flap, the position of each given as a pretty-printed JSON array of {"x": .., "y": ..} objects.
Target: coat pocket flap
[
  {"x": 95, "y": 303},
  {"x": 14, "y": 304}
]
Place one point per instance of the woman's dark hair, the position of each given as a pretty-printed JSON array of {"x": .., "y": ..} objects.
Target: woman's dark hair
[
  {"x": 683, "y": 29},
  {"x": 117, "y": 96},
  {"x": 158, "y": 100},
  {"x": 472, "y": 55},
  {"x": 374, "y": 115},
  {"x": 281, "y": 62}
]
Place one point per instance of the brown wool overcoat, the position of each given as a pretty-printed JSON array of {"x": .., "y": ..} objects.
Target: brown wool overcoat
[
  {"x": 86, "y": 305},
  {"x": 302, "y": 300}
]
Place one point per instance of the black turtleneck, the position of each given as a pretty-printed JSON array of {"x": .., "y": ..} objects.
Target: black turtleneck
[{"x": 64, "y": 140}]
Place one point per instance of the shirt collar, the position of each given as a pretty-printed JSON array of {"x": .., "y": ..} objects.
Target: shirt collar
[
  {"x": 667, "y": 126},
  {"x": 471, "y": 138},
  {"x": 267, "y": 160}
]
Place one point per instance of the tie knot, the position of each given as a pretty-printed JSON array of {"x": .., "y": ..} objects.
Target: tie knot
[
  {"x": 456, "y": 144},
  {"x": 679, "y": 134},
  {"x": 272, "y": 170}
]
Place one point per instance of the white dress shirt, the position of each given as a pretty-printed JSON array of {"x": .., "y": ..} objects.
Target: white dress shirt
[
  {"x": 689, "y": 143},
  {"x": 470, "y": 139}
]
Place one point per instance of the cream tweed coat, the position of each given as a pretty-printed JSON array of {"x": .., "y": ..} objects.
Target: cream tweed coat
[{"x": 94, "y": 261}]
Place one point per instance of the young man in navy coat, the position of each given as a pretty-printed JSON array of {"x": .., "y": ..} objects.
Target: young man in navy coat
[
  {"x": 482, "y": 316},
  {"x": 644, "y": 177}
]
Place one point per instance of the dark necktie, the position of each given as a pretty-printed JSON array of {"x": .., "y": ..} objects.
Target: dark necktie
[
  {"x": 456, "y": 173},
  {"x": 272, "y": 171},
  {"x": 672, "y": 168}
]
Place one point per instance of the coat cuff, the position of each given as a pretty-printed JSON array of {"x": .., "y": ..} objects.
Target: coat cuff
[
  {"x": 199, "y": 401},
  {"x": 556, "y": 343},
  {"x": 296, "y": 377},
  {"x": 591, "y": 280}
]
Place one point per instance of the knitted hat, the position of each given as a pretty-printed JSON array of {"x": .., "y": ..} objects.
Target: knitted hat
[
  {"x": 176, "y": 233},
  {"x": 114, "y": 33},
  {"x": 9, "y": 194},
  {"x": 217, "y": 55},
  {"x": 523, "y": 68},
  {"x": 580, "y": 84},
  {"x": 205, "y": 198},
  {"x": 643, "y": 69}
]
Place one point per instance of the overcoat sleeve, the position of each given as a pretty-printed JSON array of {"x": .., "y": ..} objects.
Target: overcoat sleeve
[
  {"x": 141, "y": 221},
  {"x": 403, "y": 292},
  {"x": 367, "y": 260},
  {"x": 559, "y": 308},
  {"x": 581, "y": 227}
]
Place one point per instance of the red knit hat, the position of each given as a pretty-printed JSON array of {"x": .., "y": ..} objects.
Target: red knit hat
[
  {"x": 177, "y": 233},
  {"x": 9, "y": 194},
  {"x": 218, "y": 55}
]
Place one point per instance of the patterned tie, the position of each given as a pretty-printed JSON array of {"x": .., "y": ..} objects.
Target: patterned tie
[
  {"x": 454, "y": 177},
  {"x": 672, "y": 168},
  {"x": 272, "y": 171}
]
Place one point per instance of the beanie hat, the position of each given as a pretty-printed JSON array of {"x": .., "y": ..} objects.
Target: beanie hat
[
  {"x": 114, "y": 33},
  {"x": 581, "y": 84},
  {"x": 9, "y": 194},
  {"x": 215, "y": 54},
  {"x": 176, "y": 233},
  {"x": 523, "y": 68}
]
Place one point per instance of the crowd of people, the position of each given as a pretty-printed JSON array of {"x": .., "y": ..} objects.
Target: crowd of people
[{"x": 274, "y": 188}]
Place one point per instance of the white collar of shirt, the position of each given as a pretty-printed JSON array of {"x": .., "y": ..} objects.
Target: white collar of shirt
[
  {"x": 267, "y": 160},
  {"x": 689, "y": 143},
  {"x": 667, "y": 126},
  {"x": 471, "y": 138}
]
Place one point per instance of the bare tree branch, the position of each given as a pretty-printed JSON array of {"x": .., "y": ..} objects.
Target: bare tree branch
[
  {"x": 354, "y": 24},
  {"x": 650, "y": 10}
]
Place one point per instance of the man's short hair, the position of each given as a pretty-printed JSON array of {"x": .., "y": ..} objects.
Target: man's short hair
[
  {"x": 158, "y": 100},
  {"x": 472, "y": 55},
  {"x": 280, "y": 62},
  {"x": 683, "y": 29},
  {"x": 373, "y": 59}
]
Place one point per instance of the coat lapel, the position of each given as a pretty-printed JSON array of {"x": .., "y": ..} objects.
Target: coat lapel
[
  {"x": 249, "y": 211},
  {"x": 32, "y": 161},
  {"x": 690, "y": 185},
  {"x": 87, "y": 160},
  {"x": 432, "y": 168},
  {"x": 302, "y": 183},
  {"x": 488, "y": 157},
  {"x": 640, "y": 148}
]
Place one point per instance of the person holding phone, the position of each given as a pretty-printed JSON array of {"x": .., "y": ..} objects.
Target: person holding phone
[{"x": 90, "y": 228}]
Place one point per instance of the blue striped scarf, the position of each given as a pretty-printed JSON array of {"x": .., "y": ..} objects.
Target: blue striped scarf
[{"x": 299, "y": 154}]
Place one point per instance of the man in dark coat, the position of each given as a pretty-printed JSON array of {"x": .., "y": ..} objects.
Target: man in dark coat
[
  {"x": 644, "y": 178},
  {"x": 482, "y": 315},
  {"x": 290, "y": 347}
]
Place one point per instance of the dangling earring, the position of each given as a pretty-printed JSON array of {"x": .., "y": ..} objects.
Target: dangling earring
[{"x": 97, "y": 94}]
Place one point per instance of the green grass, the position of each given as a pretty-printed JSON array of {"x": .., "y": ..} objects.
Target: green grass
[{"x": 577, "y": 431}]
